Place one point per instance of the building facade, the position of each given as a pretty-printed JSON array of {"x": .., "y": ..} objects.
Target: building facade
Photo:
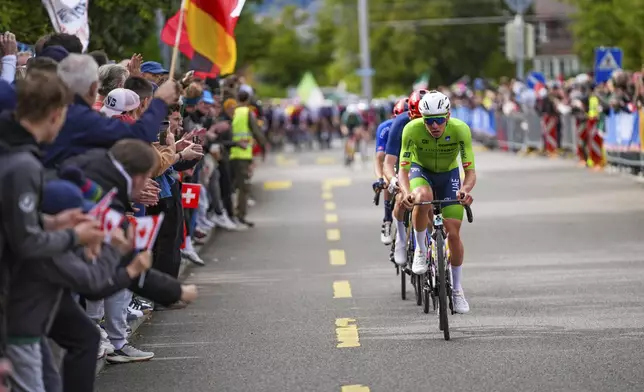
[{"x": 554, "y": 48}]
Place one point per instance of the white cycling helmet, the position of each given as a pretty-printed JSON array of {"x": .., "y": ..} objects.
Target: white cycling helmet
[{"x": 434, "y": 103}]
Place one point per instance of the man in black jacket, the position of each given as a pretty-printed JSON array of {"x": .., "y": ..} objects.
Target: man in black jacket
[
  {"x": 41, "y": 285},
  {"x": 25, "y": 233}
]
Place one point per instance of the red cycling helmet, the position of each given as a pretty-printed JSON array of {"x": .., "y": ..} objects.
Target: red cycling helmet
[
  {"x": 401, "y": 106},
  {"x": 414, "y": 100}
]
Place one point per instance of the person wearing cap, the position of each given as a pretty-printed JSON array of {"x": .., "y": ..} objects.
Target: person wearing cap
[
  {"x": 154, "y": 72},
  {"x": 56, "y": 53},
  {"x": 85, "y": 129},
  {"x": 42, "y": 286},
  {"x": 110, "y": 77},
  {"x": 120, "y": 103}
]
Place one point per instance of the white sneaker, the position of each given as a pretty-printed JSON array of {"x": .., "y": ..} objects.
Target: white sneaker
[
  {"x": 134, "y": 312},
  {"x": 192, "y": 256},
  {"x": 101, "y": 352},
  {"x": 227, "y": 223},
  {"x": 239, "y": 226},
  {"x": 419, "y": 266},
  {"x": 459, "y": 302},
  {"x": 387, "y": 234},
  {"x": 400, "y": 253},
  {"x": 217, "y": 220},
  {"x": 205, "y": 222},
  {"x": 104, "y": 347}
]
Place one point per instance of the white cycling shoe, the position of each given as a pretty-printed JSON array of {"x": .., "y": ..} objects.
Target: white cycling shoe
[
  {"x": 459, "y": 302},
  {"x": 419, "y": 266},
  {"x": 400, "y": 253},
  {"x": 387, "y": 233}
]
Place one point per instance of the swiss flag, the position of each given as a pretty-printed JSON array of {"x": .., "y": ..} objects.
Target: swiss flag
[
  {"x": 99, "y": 210},
  {"x": 190, "y": 195},
  {"x": 146, "y": 229},
  {"x": 112, "y": 219}
]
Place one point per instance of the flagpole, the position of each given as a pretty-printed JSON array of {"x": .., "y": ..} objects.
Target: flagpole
[{"x": 177, "y": 39}]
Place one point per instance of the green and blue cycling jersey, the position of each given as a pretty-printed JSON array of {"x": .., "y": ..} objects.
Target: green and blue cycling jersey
[{"x": 434, "y": 162}]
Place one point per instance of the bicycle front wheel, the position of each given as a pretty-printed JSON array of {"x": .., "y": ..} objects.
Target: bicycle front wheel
[{"x": 443, "y": 322}]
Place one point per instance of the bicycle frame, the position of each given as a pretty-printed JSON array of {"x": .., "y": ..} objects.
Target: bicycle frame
[{"x": 437, "y": 283}]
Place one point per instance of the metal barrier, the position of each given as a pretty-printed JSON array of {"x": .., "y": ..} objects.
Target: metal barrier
[{"x": 615, "y": 139}]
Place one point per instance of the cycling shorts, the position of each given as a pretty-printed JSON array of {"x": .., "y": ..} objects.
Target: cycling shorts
[{"x": 444, "y": 186}]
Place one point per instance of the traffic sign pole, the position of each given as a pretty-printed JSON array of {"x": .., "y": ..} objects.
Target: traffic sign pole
[
  {"x": 519, "y": 7},
  {"x": 365, "y": 57},
  {"x": 518, "y": 22}
]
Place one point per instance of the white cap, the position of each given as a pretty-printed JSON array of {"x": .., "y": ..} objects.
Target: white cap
[
  {"x": 120, "y": 100},
  {"x": 246, "y": 88}
]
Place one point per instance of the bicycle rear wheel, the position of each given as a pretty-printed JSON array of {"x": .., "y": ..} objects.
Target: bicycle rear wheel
[
  {"x": 426, "y": 290},
  {"x": 403, "y": 285},
  {"x": 417, "y": 281},
  {"x": 443, "y": 321}
]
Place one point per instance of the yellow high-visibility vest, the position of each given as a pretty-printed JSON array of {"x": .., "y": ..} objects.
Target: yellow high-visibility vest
[{"x": 242, "y": 132}]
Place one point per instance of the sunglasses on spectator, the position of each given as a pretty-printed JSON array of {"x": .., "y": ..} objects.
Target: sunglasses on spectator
[{"x": 439, "y": 120}]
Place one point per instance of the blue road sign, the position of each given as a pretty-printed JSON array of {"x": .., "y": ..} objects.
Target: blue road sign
[
  {"x": 519, "y": 6},
  {"x": 533, "y": 78},
  {"x": 607, "y": 60}
]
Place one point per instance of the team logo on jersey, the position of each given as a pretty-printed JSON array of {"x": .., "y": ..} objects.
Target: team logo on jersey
[
  {"x": 404, "y": 163},
  {"x": 407, "y": 155},
  {"x": 425, "y": 141},
  {"x": 447, "y": 138}
]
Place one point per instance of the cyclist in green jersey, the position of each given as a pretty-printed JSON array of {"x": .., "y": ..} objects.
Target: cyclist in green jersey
[{"x": 429, "y": 171}]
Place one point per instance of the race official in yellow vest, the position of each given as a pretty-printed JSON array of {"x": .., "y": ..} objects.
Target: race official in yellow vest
[
  {"x": 593, "y": 107},
  {"x": 245, "y": 131}
]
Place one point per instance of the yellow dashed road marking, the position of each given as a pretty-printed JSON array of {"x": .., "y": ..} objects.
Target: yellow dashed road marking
[
  {"x": 325, "y": 161},
  {"x": 347, "y": 333},
  {"x": 341, "y": 289},
  {"x": 335, "y": 182},
  {"x": 331, "y": 218},
  {"x": 327, "y": 195},
  {"x": 354, "y": 388},
  {"x": 280, "y": 160},
  {"x": 277, "y": 185},
  {"x": 333, "y": 234},
  {"x": 336, "y": 257},
  {"x": 329, "y": 206}
]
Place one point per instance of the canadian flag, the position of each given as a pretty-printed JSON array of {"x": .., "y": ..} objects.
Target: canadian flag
[
  {"x": 190, "y": 195},
  {"x": 99, "y": 210},
  {"x": 146, "y": 229},
  {"x": 112, "y": 219}
]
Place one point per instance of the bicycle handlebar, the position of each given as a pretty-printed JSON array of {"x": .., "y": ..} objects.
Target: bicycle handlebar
[{"x": 468, "y": 209}]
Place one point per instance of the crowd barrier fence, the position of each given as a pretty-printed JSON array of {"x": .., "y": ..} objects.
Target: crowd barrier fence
[{"x": 615, "y": 139}]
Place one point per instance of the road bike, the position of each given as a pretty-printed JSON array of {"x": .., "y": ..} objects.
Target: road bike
[
  {"x": 437, "y": 281},
  {"x": 405, "y": 270}
]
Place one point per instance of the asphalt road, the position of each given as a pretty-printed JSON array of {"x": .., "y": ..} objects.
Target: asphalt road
[{"x": 554, "y": 274}]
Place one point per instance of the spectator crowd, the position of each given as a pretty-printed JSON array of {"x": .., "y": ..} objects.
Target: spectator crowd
[{"x": 111, "y": 172}]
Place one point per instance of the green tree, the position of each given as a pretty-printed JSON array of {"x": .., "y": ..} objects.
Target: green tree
[
  {"x": 609, "y": 23},
  {"x": 27, "y": 19},
  {"x": 252, "y": 38},
  {"x": 286, "y": 57},
  {"x": 401, "y": 52},
  {"x": 115, "y": 25}
]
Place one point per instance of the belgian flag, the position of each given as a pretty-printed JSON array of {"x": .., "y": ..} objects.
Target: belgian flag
[{"x": 207, "y": 36}]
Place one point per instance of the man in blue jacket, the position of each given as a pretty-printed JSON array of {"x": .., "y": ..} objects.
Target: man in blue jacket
[{"x": 86, "y": 129}]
